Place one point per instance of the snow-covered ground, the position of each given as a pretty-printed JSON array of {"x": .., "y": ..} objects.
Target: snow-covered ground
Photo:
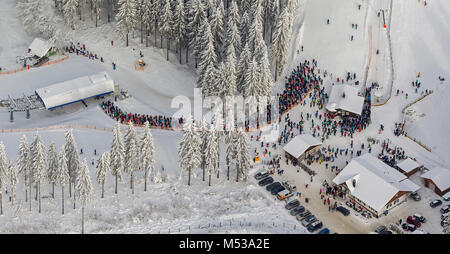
[{"x": 419, "y": 43}]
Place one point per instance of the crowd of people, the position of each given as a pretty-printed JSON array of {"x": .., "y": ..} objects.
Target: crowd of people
[{"x": 117, "y": 114}]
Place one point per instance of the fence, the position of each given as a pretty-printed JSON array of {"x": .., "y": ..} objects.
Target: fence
[
  {"x": 28, "y": 67},
  {"x": 230, "y": 225}
]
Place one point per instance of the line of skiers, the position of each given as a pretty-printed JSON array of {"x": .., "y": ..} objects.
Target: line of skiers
[{"x": 138, "y": 119}]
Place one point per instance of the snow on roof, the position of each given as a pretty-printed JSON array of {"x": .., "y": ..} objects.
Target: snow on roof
[
  {"x": 440, "y": 176},
  {"x": 39, "y": 47},
  {"x": 408, "y": 165},
  {"x": 75, "y": 90},
  {"x": 300, "y": 144},
  {"x": 376, "y": 182},
  {"x": 352, "y": 102}
]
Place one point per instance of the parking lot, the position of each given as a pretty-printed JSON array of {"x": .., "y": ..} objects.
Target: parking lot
[{"x": 355, "y": 223}]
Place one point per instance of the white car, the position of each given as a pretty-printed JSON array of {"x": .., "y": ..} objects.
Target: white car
[
  {"x": 282, "y": 195},
  {"x": 289, "y": 186}
]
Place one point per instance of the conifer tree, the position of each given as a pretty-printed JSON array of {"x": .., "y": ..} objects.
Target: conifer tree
[
  {"x": 83, "y": 190},
  {"x": 189, "y": 153},
  {"x": 63, "y": 174},
  {"x": 23, "y": 162},
  {"x": 126, "y": 18},
  {"x": 38, "y": 164},
  {"x": 70, "y": 12},
  {"x": 131, "y": 154},
  {"x": 13, "y": 179},
  {"x": 167, "y": 25},
  {"x": 147, "y": 154},
  {"x": 117, "y": 156},
  {"x": 103, "y": 167},
  {"x": 53, "y": 167},
  {"x": 3, "y": 174},
  {"x": 180, "y": 23}
]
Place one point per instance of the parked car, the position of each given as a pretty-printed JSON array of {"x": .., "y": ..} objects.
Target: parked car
[
  {"x": 444, "y": 223},
  {"x": 303, "y": 215},
  {"x": 445, "y": 209},
  {"x": 277, "y": 189},
  {"x": 297, "y": 210},
  {"x": 444, "y": 216},
  {"x": 414, "y": 221},
  {"x": 435, "y": 203},
  {"x": 349, "y": 204},
  {"x": 408, "y": 227},
  {"x": 415, "y": 196},
  {"x": 262, "y": 175},
  {"x": 289, "y": 186},
  {"x": 386, "y": 232},
  {"x": 314, "y": 226},
  {"x": 324, "y": 231},
  {"x": 380, "y": 229},
  {"x": 420, "y": 217},
  {"x": 343, "y": 210},
  {"x": 266, "y": 181},
  {"x": 308, "y": 220},
  {"x": 282, "y": 195},
  {"x": 291, "y": 205},
  {"x": 271, "y": 186}
]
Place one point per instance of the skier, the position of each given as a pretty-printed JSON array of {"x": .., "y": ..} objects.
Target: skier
[
  {"x": 351, "y": 39},
  {"x": 112, "y": 43},
  {"x": 95, "y": 151},
  {"x": 81, "y": 151},
  {"x": 328, "y": 21}
]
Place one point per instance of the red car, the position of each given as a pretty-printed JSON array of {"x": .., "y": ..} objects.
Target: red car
[{"x": 414, "y": 221}]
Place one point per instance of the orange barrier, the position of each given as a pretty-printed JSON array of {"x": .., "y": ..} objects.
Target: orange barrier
[
  {"x": 55, "y": 61},
  {"x": 14, "y": 71},
  {"x": 28, "y": 67},
  {"x": 138, "y": 68}
]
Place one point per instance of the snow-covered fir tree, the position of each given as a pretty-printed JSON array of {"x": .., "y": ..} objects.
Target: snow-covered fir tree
[
  {"x": 53, "y": 167},
  {"x": 206, "y": 69},
  {"x": 13, "y": 180},
  {"x": 131, "y": 154},
  {"x": 189, "y": 152},
  {"x": 126, "y": 18},
  {"x": 197, "y": 18},
  {"x": 83, "y": 189},
  {"x": 117, "y": 156},
  {"x": 282, "y": 37},
  {"x": 210, "y": 151},
  {"x": 243, "y": 156},
  {"x": 23, "y": 163},
  {"x": 244, "y": 28},
  {"x": 233, "y": 35},
  {"x": 256, "y": 28},
  {"x": 167, "y": 25},
  {"x": 70, "y": 12},
  {"x": 103, "y": 167},
  {"x": 265, "y": 76},
  {"x": 63, "y": 174},
  {"x": 274, "y": 7},
  {"x": 3, "y": 174},
  {"x": 147, "y": 154},
  {"x": 230, "y": 140},
  {"x": 217, "y": 27},
  {"x": 242, "y": 67},
  {"x": 38, "y": 165},
  {"x": 252, "y": 85},
  {"x": 73, "y": 158},
  {"x": 180, "y": 23},
  {"x": 148, "y": 18}
]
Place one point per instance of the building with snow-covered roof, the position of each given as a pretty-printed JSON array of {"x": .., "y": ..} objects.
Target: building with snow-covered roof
[
  {"x": 39, "y": 48},
  {"x": 301, "y": 145},
  {"x": 438, "y": 179},
  {"x": 345, "y": 100},
  {"x": 408, "y": 167},
  {"x": 374, "y": 185},
  {"x": 79, "y": 89}
]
